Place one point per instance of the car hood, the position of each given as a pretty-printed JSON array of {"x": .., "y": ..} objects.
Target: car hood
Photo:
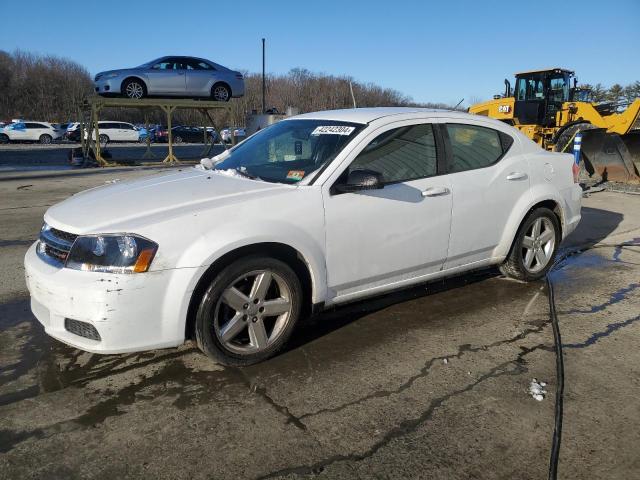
[
  {"x": 121, "y": 206},
  {"x": 118, "y": 70}
]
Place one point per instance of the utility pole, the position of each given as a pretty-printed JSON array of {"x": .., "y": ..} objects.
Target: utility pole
[{"x": 264, "y": 107}]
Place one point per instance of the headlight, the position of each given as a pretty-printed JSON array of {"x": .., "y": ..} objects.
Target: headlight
[
  {"x": 111, "y": 254},
  {"x": 112, "y": 75}
]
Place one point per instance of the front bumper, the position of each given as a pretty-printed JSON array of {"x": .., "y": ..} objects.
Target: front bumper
[
  {"x": 131, "y": 312},
  {"x": 108, "y": 86}
]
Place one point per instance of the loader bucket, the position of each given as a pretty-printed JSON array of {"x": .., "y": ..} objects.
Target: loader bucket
[{"x": 611, "y": 155}]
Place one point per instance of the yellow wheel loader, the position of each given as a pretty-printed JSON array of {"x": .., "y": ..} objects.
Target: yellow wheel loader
[{"x": 550, "y": 111}]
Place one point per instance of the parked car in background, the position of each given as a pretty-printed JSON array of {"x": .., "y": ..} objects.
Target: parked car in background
[
  {"x": 169, "y": 76},
  {"x": 227, "y": 133},
  {"x": 315, "y": 211},
  {"x": 189, "y": 134},
  {"x": 159, "y": 134},
  {"x": 29, "y": 131},
  {"x": 110, "y": 131},
  {"x": 73, "y": 132}
]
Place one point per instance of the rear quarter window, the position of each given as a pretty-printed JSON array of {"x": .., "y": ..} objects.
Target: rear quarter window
[{"x": 474, "y": 147}]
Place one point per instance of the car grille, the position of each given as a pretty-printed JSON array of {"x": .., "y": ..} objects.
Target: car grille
[
  {"x": 82, "y": 329},
  {"x": 55, "y": 244}
]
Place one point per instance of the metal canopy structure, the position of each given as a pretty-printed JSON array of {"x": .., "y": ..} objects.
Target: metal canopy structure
[{"x": 92, "y": 106}]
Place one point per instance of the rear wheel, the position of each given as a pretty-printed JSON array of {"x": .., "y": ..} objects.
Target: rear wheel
[
  {"x": 221, "y": 93},
  {"x": 103, "y": 138},
  {"x": 249, "y": 311},
  {"x": 45, "y": 139},
  {"x": 4, "y": 138},
  {"x": 534, "y": 248},
  {"x": 177, "y": 139},
  {"x": 134, "y": 88}
]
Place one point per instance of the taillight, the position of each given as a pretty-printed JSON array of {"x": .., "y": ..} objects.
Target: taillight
[
  {"x": 239, "y": 76},
  {"x": 576, "y": 173}
]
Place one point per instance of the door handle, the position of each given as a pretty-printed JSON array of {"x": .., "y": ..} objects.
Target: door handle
[
  {"x": 435, "y": 191},
  {"x": 516, "y": 176},
  {"x": 180, "y": 73}
]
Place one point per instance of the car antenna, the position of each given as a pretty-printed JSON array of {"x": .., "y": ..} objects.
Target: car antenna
[{"x": 458, "y": 104}]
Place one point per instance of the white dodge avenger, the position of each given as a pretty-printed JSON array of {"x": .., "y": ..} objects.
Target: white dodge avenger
[{"x": 314, "y": 211}]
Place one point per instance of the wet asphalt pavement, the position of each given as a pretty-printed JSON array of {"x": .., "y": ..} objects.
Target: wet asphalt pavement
[{"x": 430, "y": 382}]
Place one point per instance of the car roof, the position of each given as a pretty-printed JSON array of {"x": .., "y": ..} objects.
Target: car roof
[{"x": 368, "y": 115}]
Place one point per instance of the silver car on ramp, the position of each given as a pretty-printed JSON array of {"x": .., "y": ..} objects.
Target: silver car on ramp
[{"x": 189, "y": 77}]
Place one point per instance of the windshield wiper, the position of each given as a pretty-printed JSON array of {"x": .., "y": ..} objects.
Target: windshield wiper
[{"x": 243, "y": 171}]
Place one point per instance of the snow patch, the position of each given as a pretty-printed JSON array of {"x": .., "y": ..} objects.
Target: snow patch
[{"x": 536, "y": 389}]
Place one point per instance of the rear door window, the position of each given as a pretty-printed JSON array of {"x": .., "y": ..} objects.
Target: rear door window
[{"x": 475, "y": 147}]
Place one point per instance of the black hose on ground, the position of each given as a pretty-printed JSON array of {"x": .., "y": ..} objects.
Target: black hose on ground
[{"x": 557, "y": 429}]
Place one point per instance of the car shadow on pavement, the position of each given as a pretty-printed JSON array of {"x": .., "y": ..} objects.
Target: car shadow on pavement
[{"x": 595, "y": 226}]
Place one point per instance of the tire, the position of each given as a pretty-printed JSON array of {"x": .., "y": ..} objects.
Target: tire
[
  {"x": 531, "y": 264},
  {"x": 4, "y": 138},
  {"x": 220, "y": 93},
  {"x": 102, "y": 138},
  {"x": 134, "y": 89},
  {"x": 45, "y": 139},
  {"x": 177, "y": 139},
  {"x": 252, "y": 335},
  {"x": 567, "y": 136}
]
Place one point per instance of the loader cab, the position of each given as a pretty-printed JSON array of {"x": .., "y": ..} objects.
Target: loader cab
[{"x": 540, "y": 94}]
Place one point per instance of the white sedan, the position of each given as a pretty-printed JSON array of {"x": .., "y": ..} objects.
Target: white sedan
[
  {"x": 110, "y": 131},
  {"x": 314, "y": 211},
  {"x": 28, "y": 131}
]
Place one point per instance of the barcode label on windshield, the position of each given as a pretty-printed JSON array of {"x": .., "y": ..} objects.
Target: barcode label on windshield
[{"x": 333, "y": 130}]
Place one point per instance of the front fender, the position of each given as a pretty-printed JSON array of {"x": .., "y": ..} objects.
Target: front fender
[{"x": 210, "y": 247}]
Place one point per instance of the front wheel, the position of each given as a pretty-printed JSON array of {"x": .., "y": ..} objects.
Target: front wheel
[
  {"x": 45, "y": 139},
  {"x": 249, "y": 311},
  {"x": 134, "y": 89},
  {"x": 177, "y": 139},
  {"x": 103, "y": 139},
  {"x": 4, "y": 138},
  {"x": 534, "y": 248}
]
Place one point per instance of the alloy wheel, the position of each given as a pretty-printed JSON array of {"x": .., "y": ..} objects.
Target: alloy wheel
[
  {"x": 253, "y": 311},
  {"x": 538, "y": 245},
  {"x": 220, "y": 94},
  {"x": 134, "y": 90}
]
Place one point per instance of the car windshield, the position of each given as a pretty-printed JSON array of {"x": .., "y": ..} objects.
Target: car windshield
[
  {"x": 152, "y": 62},
  {"x": 290, "y": 150}
]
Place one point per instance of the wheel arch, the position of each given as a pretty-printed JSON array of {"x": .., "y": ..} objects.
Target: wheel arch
[
  {"x": 280, "y": 251},
  {"x": 510, "y": 235},
  {"x": 224, "y": 84},
  {"x": 133, "y": 77}
]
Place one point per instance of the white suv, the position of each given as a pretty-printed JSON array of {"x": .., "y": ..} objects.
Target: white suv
[
  {"x": 110, "y": 131},
  {"x": 28, "y": 131},
  {"x": 314, "y": 211}
]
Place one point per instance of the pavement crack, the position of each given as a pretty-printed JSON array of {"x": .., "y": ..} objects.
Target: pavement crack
[
  {"x": 409, "y": 426},
  {"x": 612, "y": 327},
  {"x": 616, "y": 297},
  {"x": 291, "y": 418},
  {"x": 262, "y": 392},
  {"x": 425, "y": 370}
]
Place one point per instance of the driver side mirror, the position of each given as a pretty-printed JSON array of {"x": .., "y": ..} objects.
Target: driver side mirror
[{"x": 361, "y": 180}]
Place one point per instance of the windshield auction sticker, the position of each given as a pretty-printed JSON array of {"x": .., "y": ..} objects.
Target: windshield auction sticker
[
  {"x": 295, "y": 175},
  {"x": 333, "y": 130}
]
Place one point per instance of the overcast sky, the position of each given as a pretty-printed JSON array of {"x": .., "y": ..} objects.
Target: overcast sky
[{"x": 432, "y": 51}]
